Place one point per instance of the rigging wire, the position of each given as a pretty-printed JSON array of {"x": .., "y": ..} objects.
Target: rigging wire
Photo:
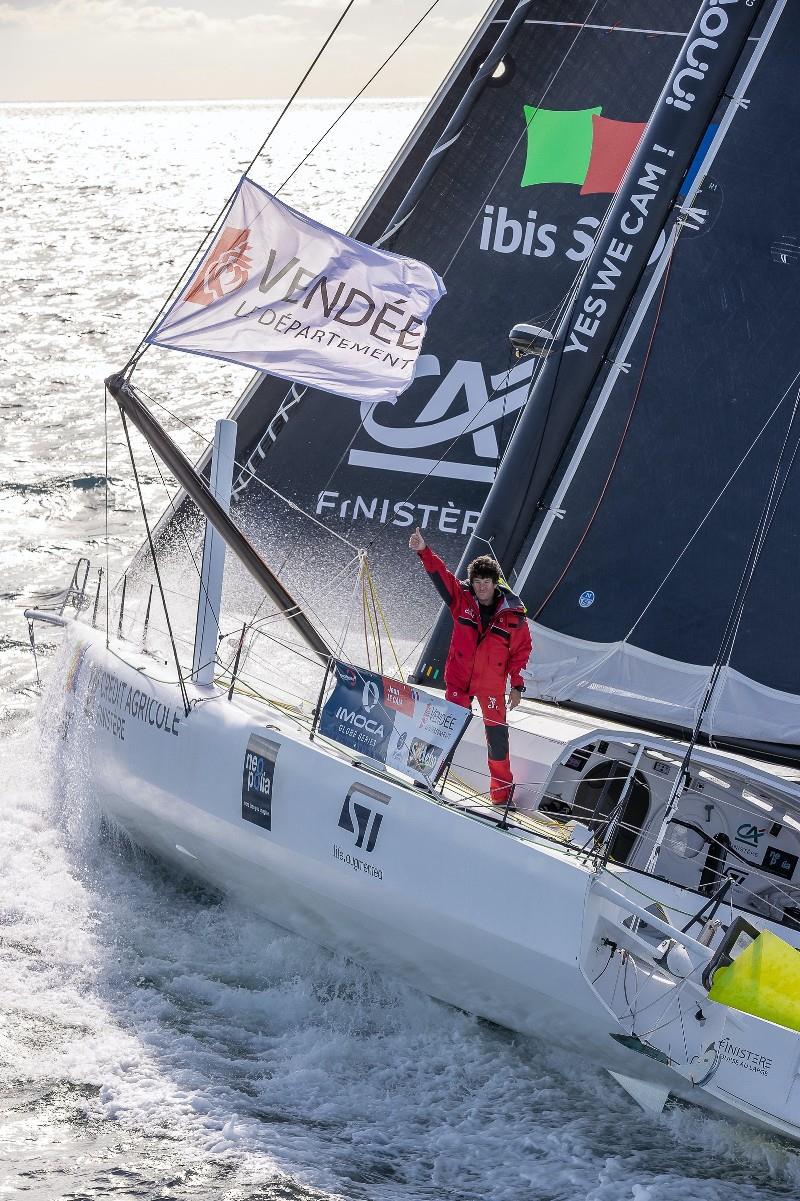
[
  {"x": 560, "y": 310},
  {"x": 357, "y": 96},
  {"x": 285, "y": 613},
  {"x": 299, "y": 394},
  {"x": 713, "y": 505},
  {"x": 142, "y": 346},
  {"x": 184, "y": 693},
  {"x": 338, "y": 649},
  {"x": 558, "y": 314},
  {"x": 139, "y": 351},
  {"x": 563, "y": 305},
  {"x": 771, "y": 503},
  {"x": 290, "y": 504},
  {"x": 494, "y": 183},
  {"x": 183, "y": 534},
  {"x": 297, "y": 508}
]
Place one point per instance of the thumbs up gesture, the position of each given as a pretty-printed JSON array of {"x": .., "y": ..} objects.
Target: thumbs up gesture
[{"x": 416, "y": 541}]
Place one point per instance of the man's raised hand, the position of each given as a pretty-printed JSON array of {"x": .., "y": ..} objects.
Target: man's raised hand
[{"x": 416, "y": 541}]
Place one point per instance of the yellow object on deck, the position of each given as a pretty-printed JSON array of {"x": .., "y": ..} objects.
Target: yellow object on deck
[{"x": 763, "y": 980}]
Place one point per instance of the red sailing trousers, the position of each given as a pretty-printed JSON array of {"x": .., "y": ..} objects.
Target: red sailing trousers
[{"x": 493, "y": 708}]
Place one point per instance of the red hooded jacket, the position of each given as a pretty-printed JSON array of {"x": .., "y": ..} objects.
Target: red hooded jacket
[{"x": 479, "y": 664}]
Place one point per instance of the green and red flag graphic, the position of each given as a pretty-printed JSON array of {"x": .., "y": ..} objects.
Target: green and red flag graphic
[{"x": 578, "y": 146}]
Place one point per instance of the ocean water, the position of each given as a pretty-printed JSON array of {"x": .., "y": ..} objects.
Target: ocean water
[{"x": 156, "y": 1040}]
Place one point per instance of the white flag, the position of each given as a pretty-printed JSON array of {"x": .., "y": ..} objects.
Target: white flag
[{"x": 281, "y": 293}]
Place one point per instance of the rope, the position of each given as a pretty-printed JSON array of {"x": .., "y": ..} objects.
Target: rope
[
  {"x": 369, "y": 616},
  {"x": 564, "y": 304},
  {"x": 559, "y": 312},
  {"x": 339, "y": 647},
  {"x": 373, "y": 610},
  {"x": 374, "y": 614},
  {"x": 366, "y": 636},
  {"x": 379, "y": 607}
]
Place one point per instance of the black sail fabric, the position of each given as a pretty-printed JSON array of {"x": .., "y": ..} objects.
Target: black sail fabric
[
  {"x": 632, "y": 585},
  {"x": 508, "y": 219}
]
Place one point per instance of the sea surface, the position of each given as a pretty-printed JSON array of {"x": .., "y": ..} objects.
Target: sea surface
[{"x": 156, "y": 1040}]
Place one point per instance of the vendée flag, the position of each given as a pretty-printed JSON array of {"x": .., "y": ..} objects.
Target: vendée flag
[{"x": 281, "y": 293}]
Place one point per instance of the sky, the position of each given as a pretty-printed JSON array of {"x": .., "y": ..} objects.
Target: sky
[{"x": 71, "y": 50}]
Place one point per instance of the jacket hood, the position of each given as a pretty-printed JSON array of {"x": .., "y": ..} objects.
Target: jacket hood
[{"x": 508, "y": 599}]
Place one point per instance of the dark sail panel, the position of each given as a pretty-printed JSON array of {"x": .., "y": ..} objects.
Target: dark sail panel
[
  {"x": 509, "y": 219},
  {"x": 632, "y": 586}
]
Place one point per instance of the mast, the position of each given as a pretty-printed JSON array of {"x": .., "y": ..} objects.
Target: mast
[
  {"x": 198, "y": 490},
  {"x": 620, "y": 256}
]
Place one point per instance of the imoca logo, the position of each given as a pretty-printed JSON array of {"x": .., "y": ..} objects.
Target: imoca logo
[{"x": 578, "y": 146}]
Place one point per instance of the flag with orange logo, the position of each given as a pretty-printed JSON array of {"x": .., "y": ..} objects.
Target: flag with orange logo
[{"x": 281, "y": 293}]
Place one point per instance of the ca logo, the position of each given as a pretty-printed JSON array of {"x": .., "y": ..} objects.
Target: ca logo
[
  {"x": 361, "y": 819},
  {"x": 749, "y": 833},
  {"x": 370, "y": 695}
]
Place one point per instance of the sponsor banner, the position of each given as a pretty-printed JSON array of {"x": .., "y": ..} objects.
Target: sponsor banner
[
  {"x": 284, "y": 294},
  {"x": 409, "y": 730},
  {"x": 258, "y": 772},
  {"x": 115, "y": 706}
]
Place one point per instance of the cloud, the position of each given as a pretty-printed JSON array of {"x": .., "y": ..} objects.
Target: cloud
[
  {"x": 59, "y": 17},
  {"x": 187, "y": 49}
]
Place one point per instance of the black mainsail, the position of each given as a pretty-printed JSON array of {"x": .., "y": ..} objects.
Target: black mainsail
[
  {"x": 632, "y": 587},
  {"x": 509, "y": 218},
  {"x": 631, "y": 568}
]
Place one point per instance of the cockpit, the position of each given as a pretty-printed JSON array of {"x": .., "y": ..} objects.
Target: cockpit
[{"x": 733, "y": 821}]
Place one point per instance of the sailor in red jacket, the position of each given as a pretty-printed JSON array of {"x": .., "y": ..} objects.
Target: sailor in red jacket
[{"x": 490, "y": 642}]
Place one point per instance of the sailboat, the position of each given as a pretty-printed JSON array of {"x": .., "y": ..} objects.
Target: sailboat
[{"x": 642, "y": 902}]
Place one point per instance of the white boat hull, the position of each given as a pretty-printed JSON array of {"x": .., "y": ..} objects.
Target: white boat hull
[{"x": 490, "y": 920}]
